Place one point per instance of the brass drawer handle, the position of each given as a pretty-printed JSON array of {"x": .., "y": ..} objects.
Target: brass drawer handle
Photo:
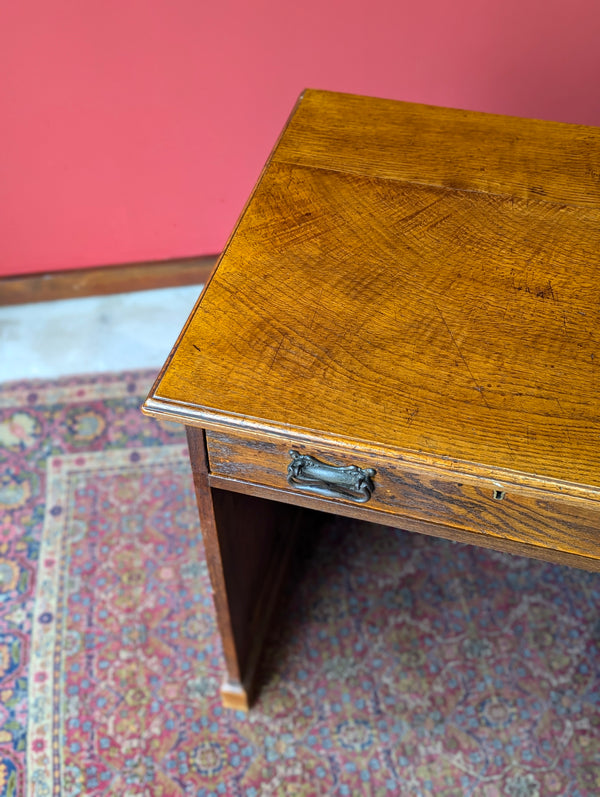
[{"x": 343, "y": 481}]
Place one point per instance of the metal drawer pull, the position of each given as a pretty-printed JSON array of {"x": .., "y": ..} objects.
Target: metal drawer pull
[{"x": 344, "y": 481}]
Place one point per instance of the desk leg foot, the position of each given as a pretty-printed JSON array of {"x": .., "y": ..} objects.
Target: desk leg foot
[
  {"x": 249, "y": 542},
  {"x": 235, "y": 696}
]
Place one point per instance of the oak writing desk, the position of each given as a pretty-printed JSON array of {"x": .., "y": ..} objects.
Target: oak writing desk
[{"x": 404, "y": 328}]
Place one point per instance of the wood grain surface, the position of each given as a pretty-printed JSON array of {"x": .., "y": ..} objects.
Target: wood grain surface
[
  {"x": 484, "y": 507},
  {"x": 456, "y": 325},
  {"x": 444, "y": 147}
]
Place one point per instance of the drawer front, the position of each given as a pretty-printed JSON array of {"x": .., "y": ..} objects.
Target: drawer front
[{"x": 471, "y": 504}]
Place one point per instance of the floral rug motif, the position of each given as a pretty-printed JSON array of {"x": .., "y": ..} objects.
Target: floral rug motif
[{"x": 404, "y": 665}]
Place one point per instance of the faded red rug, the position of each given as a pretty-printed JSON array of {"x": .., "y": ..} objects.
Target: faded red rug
[{"x": 409, "y": 665}]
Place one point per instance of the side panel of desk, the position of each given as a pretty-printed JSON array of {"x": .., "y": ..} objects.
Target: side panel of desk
[{"x": 249, "y": 541}]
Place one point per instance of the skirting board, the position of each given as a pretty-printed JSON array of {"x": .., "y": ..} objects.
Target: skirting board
[{"x": 26, "y": 288}]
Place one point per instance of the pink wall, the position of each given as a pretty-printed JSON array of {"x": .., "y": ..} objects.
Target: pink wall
[{"x": 134, "y": 129}]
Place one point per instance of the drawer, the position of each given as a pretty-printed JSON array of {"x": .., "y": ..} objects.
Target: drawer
[{"x": 401, "y": 490}]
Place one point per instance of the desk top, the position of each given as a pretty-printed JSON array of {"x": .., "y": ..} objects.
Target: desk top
[{"x": 416, "y": 281}]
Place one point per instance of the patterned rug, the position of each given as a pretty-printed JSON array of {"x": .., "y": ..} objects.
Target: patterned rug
[{"x": 406, "y": 665}]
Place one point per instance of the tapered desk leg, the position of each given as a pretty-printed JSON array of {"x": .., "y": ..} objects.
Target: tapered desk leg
[{"x": 248, "y": 542}]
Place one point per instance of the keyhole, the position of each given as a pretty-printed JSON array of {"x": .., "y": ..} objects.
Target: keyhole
[{"x": 499, "y": 495}]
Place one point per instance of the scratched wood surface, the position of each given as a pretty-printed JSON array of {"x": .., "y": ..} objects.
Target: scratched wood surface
[{"x": 434, "y": 296}]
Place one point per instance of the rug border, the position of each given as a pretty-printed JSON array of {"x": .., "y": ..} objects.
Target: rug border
[{"x": 45, "y": 742}]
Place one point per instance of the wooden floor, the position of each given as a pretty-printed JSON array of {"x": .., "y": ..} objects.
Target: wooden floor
[{"x": 26, "y": 288}]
